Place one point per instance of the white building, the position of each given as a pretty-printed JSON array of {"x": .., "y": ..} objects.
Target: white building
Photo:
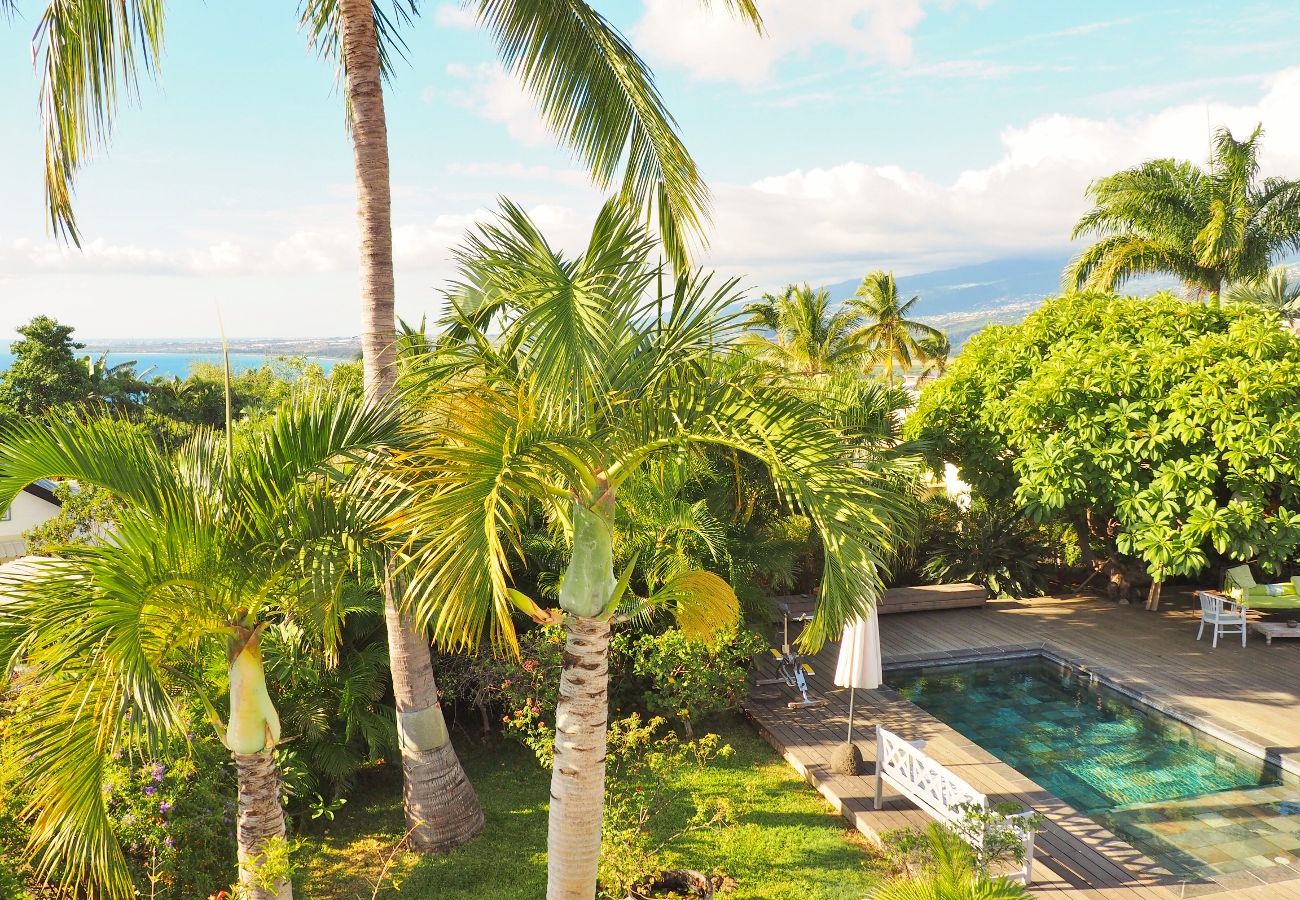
[{"x": 35, "y": 504}]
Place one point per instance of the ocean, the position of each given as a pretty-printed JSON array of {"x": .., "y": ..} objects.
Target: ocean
[{"x": 149, "y": 365}]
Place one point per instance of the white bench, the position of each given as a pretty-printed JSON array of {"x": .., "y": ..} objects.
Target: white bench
[{"x": 939, "y": 792}]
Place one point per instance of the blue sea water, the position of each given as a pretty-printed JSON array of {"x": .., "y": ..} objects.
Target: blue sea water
[{"x": 149, "y": 365}]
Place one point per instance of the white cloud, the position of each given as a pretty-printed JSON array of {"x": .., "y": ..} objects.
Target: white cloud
[
  {"x": 451, "y": 15},
  {"x": 829, "y": 223},
  {"x": 710, "y": 43},
  {"x": 494, "y": 94}
]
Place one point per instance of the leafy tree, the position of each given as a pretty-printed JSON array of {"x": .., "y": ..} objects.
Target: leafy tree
[
  {"x": 1159, "y": 429},
  {"x": 1209, "y": 227},
  {"x": 594, "y": 92},
  {"x": 807, "y": 337},
  {"x": 211, "y": 547},
  {"x": 1274, "y": 291},
  {"x": 581, "y": 383},
  {"x": 45, "y": 372},
  {"x": 889, "y": 337},
  {"x": 989, "y": 544},
  {"x": 85, "y": 513}
]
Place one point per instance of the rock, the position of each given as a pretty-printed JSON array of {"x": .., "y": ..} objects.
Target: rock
[{"x": 846, "y": 759}]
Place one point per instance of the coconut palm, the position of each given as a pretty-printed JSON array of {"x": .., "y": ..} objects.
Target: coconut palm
[
  {"x": 935, "y": 350},
  {"x": 1209, "y": 227},
  {"x": 1274, "y": 291},
  {"x": 797, "y": 331},
  {"x": 583, "y": 382},
  {"x": 889, "y": 337},
  {"x": 210, "y": 546},
  {"x": 594, "y": 92}
]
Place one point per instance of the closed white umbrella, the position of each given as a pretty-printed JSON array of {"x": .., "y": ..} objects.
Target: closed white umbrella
[{"x": 859, "y": 663}]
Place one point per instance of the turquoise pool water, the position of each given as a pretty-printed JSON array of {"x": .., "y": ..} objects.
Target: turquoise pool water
[{"x": 1191, "y": 802}]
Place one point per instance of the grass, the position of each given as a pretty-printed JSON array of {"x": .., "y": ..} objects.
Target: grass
[{"x": 785, "y": 842}]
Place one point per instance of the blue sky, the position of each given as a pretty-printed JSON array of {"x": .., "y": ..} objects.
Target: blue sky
[{"x": 856, "y": 134}]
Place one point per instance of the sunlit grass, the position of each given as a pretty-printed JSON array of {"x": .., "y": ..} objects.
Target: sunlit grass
[{"x": 785, "y": 843}]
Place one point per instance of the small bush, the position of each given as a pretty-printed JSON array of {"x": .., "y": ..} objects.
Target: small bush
[
  {"x": 650, "y": 799},
  {"x": 994, "y": 546}
]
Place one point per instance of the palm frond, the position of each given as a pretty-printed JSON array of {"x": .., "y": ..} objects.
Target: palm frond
[{"x": 90, "y": 53}]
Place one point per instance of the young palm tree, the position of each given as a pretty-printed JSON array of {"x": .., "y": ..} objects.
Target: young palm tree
[
  {"x": 584, "y": 381},
  {"x": 1274, "y": 291},
  {"x": 210, "y": 547},
  {"x": 954, "y": 875},
  {"x": 807, "y": 338},
  {"x": 1209, "y": 227},
  {"x": 595, "y": 93},
  {"x": 889, "y": 337}
]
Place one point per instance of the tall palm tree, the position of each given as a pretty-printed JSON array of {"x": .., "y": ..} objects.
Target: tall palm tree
[
  {"x": 595, "y": 93},
  {"x": 889, "y": 337},
  {"x": 1209, "y": 227},
  {"x": 210, "y": 546},
  {"x": 582, "y": 383},
  {"x": 1274, "y": 291},
  {"x": 807, "y": 337}
]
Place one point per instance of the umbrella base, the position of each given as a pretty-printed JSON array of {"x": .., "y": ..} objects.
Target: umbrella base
[{"x": 846, "y": 759}]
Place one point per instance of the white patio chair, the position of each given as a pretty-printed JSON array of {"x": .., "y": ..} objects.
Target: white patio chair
[{"x": 1224, "y": 616}]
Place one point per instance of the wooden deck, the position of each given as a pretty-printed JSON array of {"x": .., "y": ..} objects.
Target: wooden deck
[{"x": 1250, "y": 696}]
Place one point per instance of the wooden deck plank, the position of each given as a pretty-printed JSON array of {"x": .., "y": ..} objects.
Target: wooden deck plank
[{"x": 1252, "y": 694}]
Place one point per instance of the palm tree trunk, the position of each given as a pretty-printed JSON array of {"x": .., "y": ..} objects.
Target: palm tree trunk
[
  {"x": 578, "y": 775},
  {"x": 261, "y": 822},
  {"x": 441, "y": 808}
]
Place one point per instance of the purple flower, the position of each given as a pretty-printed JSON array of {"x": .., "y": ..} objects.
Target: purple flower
[
  {"x": 167, "y": 842},
  {"x": 150, "y": 790},
  {"x": 157, "y": 771},
  {"x": 165, "y": 807}
]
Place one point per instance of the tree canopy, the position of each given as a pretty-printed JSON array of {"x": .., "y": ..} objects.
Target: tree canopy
[{"x": 1164, "y": 430}]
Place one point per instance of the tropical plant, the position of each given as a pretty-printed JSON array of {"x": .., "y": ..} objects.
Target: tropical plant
[
  {"x": 1275, "y": 291},
  {"x": 797, "y": 331},
  {"x": 992, "y": 545},
  {"x": 888, "y": 336},
  {"x": 211, "y": 547},
  {"x": 581, "y": 383},
  {"x": 1155, "y": 428},
  {"x": 953, "y": 874},
  {"x": 1208, "y": 227},
  {"x": 935, "y": 350},
  {"x": 594, "y": 92}
]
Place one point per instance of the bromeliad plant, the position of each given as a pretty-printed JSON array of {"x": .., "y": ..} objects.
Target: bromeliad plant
[
  {"x": 557, "y": 381},
  {"x": 210, "y": 547}
]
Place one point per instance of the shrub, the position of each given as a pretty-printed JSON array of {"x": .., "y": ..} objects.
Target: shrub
[
  {"x": 688, "y": 680},
  {"x": 992, "y": 545},
  {"x": 651, "y": 799}
]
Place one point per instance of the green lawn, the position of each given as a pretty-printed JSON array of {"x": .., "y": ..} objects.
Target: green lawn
[{"x": 785, "y": 843}]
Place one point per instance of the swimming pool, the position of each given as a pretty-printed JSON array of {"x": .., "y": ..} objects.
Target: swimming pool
[{"x": 1194, "y": 804}]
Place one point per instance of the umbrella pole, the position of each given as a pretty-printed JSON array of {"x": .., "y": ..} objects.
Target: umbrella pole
[{"x": 849, "y": 739}]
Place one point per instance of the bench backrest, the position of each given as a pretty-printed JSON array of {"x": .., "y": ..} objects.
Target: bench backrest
[{"x": 939, "y": 792}]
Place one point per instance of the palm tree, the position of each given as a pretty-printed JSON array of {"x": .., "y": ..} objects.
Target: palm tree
[
  {"x": 807, "y": 338},
  {"x": 584, "y": 380},
  {"x": 1209, "y": 227},
  {"x": 935, "y": 350},
  {"x": 210, "y": 547},
  {"x": 1274, "y": 291},
  {"x": 595, "y": 93},
  {"x": 889, "y": 337}
]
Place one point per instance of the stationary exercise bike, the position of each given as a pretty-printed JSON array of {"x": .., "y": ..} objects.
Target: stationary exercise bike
[{"x": 791, "y": 667}]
